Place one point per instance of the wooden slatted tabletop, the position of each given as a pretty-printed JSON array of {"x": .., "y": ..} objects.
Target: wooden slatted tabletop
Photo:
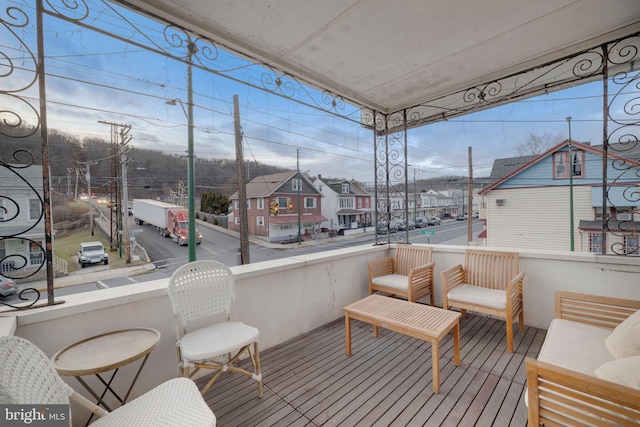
[{"x": 416, "y": 320}]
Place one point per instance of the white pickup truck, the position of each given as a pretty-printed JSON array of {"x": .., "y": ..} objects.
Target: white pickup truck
[{"x": 92, "y": 253}]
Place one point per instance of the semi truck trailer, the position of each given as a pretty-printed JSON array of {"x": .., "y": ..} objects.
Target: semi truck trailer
[{"x": 170, "y": 220}]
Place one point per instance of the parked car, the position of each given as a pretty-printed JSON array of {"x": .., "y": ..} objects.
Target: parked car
[
  {"x": 7, "y": 287},
  {"x": 433, "y": 221},
  {"x": 421, "y": 222},
  {"x": 402, "y": 226},
  {"x": 382, "y": 227},
  {"x": 461, "y": 217},
  {"x": 92, "y": 253}
]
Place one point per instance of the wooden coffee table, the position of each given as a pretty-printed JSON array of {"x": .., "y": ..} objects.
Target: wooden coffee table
[{"x": 415, "y": 320}]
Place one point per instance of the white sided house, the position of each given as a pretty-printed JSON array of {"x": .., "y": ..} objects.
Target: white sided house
[
  {"x": 346, "y": 205},
  {"x": 530, "y": 207},
  {"x": 21, "y": 221}
]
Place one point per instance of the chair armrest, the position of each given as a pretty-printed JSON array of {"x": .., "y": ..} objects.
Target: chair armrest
[
  {"x": 87, "y": 404},
  {"x": 380, "y": 267},
  {"x": 556, "y": 393},
  {"x": 514, "y": 292},
  {"x": 421, "y": 281},
  {"x": 451, "y": 278},
  {"x": 595, "y": 310}
]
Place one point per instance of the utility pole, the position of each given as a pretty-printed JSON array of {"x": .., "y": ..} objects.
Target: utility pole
[
  {"x": 242, "y": 186},
  {"x": 118, "y": 132},
  {"x": 470, "y": 214},
  {"x": 124, "y": 212}
]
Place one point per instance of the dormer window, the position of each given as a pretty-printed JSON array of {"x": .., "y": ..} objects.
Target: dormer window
[
  {"x": 345, "y": 188},
  {"x": 562, "y": 165},
  {"x": 296, "y": 184}
]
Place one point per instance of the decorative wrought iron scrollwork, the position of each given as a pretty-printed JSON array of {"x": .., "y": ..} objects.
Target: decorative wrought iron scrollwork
[
  {"x": 76, "y": 10},
  {"x": 623, "y": 115},
  {"x": 390, "y": 176},
  {"x": 198, "y": 49},
  {"x": 17, "y": 116},
  {"x": 24, "y": 295}
]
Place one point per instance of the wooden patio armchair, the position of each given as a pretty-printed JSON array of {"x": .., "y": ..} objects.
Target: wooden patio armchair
[
  {"x": 489, "y": 282},
  {"x": 408, "y": 275}
]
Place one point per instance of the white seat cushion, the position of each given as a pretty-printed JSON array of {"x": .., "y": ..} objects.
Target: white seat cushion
[
  {"x": 216, "y": 340},
  {"x": 624, "y": 340},
  {"x": 625, "y": 371},
  {"x": 176, "y": 402},
  {"x": 394, "y": 281},
  {"x": 494, "y": 298},
  {"x": 576, "y": 346}
]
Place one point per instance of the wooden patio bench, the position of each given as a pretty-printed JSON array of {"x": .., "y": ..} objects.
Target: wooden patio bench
[
  {"x": 489, "y": 282},
  {"x": 408, "y": 275},
  {"x": 576, "y": 379}
]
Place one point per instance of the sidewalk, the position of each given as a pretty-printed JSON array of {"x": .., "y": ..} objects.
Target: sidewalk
[{"x": 91, "y": 274}]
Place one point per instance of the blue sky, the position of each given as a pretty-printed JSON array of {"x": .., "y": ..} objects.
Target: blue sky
[{"x": 92, "y": 78}]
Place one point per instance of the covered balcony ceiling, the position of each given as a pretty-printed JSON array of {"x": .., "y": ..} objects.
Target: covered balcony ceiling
[{"x": 391, "y": 55}]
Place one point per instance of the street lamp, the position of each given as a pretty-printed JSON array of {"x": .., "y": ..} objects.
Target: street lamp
[{"x": 571, "y": 165}]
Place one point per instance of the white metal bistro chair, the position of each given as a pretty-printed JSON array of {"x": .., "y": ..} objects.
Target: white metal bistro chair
[
  {"x": 27, "y": 376},
  {"x": 204, "y": 290}
]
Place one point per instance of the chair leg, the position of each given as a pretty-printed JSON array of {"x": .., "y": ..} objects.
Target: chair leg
[
  {"x": 510, "y": 335},
  {"x": 521, "y": 321},
  {"x": 257, "y": 367}
]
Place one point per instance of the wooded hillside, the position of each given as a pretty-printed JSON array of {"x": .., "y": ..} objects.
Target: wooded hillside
[{"x": 150, "y": 173}]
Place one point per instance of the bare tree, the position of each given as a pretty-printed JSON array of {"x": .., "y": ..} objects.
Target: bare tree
[{"x": 537, "y": 143}]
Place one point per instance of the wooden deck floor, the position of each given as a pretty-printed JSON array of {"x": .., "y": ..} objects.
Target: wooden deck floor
[{"x": 309, "y": 381}]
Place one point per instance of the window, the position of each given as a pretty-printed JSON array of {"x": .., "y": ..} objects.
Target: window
[
  {"x": 285, "y": 226},
  {"x": 345, "y": 187},
  {"x": 2, "y": 210},
  {"x": 260, "y": 202},
  {"x": 235, "y": 204},
  {"x": 236, "y": 220},
  {"x": 248, "y": 203},
  {"x": 359, "y": 203},
  {"x": 595, "y": 242},
  {"x": 631, "y": 245},
  {"x": 296, "y": 184},
  {"x": 282, "y": 203},
  {"x": 260, "y": 221},
  {"x": 36, "y": 255},
  {"x": 310, "y": 202},
  {"x": 366, "y": 203},
  {"x": 34, "y": 209},
  {"x": 562, "y": 165},
  {"x": 346, "y": 203}
]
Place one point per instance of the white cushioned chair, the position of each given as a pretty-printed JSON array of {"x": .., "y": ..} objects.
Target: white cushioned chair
[
  {"x": 27, "y": 377},
  {"x": 202, "y": 290}
]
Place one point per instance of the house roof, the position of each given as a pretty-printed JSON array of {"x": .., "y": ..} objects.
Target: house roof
[
  {"x": 336, "y": 185},
  {"x": 388, "y": 56},
  {"x": 266, "y": 185},
  {"x": 514, "y": 165}
]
